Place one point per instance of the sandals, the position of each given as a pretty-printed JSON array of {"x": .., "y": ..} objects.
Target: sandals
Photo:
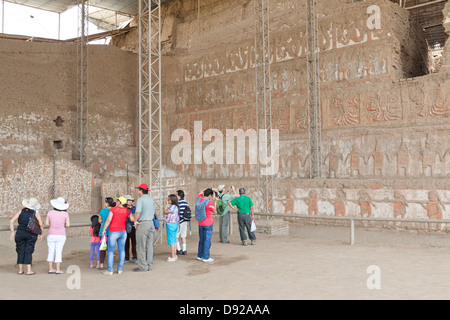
[{"x": 28, "y": 274}]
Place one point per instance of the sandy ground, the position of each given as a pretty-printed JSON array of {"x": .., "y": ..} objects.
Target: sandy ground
[{"x": 313, "y": 262}]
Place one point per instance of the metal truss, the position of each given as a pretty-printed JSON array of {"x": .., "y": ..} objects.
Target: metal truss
[
  {"x": 82, "y": 74},
  {"x": 149, "y": 55},
  {"x": 263, "y": 98},
  {"x": 313, "y": 80}
]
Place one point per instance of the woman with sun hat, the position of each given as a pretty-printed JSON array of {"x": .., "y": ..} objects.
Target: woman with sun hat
[{"x": 58, "y": 221}]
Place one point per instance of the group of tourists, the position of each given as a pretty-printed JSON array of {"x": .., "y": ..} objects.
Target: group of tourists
[{"x": 120, "y": 223}]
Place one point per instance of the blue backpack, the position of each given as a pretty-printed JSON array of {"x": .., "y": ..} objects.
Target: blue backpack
[{"x": 200, "y": 209}]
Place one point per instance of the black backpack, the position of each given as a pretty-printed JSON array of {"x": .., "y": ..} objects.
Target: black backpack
[{"x": 187, "y": 213}]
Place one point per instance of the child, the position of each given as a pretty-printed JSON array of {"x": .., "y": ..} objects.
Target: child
[{"x": 95, "y": 240}]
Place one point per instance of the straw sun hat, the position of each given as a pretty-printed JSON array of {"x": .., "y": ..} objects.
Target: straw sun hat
[{"x": 31, "y": 203}]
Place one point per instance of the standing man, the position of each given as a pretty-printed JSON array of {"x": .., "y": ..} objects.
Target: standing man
[
  {"x": 224, "y": 219},
  {"x": 143, "y": 222},
  {"x": 244, "y": 207},
  {"x": 182, "y": 229}
]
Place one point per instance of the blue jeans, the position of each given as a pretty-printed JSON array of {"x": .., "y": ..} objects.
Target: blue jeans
[
  {"x": 204, "y": 241},
  {"x": 119, "y": 237}
]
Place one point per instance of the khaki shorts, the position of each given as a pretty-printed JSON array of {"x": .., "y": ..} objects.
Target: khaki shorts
[{"x": 182, "y": 230}]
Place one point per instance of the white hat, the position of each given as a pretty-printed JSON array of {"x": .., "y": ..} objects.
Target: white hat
[
  {"x": 31, "y": 203},
  {"x": 220, "y": 188},
  {"x": 59, "y": 204},
  {"x": 128, "y": 197}
]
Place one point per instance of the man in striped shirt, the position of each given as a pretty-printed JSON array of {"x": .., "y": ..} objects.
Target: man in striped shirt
[{"x": 182, "y": 229}]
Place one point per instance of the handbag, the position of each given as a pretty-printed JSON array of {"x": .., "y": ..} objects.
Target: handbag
[
  {"x": 129, "y": 226},
  {"x": 33, "y": 225}
]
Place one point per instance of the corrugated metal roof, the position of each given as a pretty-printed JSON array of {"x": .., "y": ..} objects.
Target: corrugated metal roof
[
  {"x": 127, "y": 7},
  {"x": 58, "y": 6}
]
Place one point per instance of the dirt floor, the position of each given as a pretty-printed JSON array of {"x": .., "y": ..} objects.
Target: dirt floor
[{"x": 313, "y": 262}]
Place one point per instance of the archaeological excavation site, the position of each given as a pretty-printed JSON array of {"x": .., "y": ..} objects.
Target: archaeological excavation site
[{"x": 346, "y": 102}]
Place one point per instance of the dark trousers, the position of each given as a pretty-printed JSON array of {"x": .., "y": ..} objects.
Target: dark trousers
[
  {"x": 245, "y": 221},
  {"x": 25, "y": 242},
  {"x": 131, "y": 237}
]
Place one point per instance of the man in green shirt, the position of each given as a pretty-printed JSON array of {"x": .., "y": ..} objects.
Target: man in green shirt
[
  {"x": 225, "y": 217},
  {"x": 244, "y": 206}
]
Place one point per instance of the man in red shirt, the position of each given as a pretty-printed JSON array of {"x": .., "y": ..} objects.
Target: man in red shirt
[{"x": 205, "y": 227}]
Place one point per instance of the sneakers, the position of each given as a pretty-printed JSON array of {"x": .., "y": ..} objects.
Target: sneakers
[
  {"x": 205, "y": 260},
  {"x": 107, "y": 273},
  {"x": 244, "y": 243},
  {"x": 169, "y": 259}
]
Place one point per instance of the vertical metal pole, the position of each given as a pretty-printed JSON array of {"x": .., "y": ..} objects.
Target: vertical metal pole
[
  {"x": 54, "y": 176},
  {"x": 82, "y": 82},
  {"x": 198, "y": 16},
  {"x": 314, "y": 105},
  {"x": 3, "y": 16},
  {"x": 59, "y": 26},
  {"x": 263, "y": 98},
  {"x": 150, "y": 118}
]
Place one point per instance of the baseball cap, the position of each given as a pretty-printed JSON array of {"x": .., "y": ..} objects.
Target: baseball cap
[
  {"x": 122, "y": 200},
  {"x": 220, "y": 188},
  {"x": 142, "y": 186}
]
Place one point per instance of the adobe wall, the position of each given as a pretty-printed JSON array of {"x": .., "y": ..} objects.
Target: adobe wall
[
  {"x": 38, "y": 103},
  {"x": 386, "y": 126},
  {"x": 385, "y": 136}
]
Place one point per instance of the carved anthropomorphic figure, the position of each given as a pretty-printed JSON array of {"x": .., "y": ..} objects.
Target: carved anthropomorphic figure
[
  {"x": 333, "y": 163},
  {"x": 403, "y": 160},
  {"x": 294, "y": 162},
  {"x": 400, "y": 204},
  {"x": 355, "y": 160},
  {"x": 312, "y": 203},
  {"x": 378, "y": 160},
  {"x": 434, "y": 207},
  {"x": 339, "y": 203},
  {"x": 365, "y": 203}
]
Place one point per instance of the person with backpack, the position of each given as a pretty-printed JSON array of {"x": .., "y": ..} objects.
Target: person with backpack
[
  {"x": 223, "y": 210},
  {"x": 185, "y": 217},
  {"x": 204, "y": 210},
  {"x": 246, "y": 214}
]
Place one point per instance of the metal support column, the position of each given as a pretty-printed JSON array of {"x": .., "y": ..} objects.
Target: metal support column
[
  {"x": 263, "y": 98},
  {"x": 82, "y": 107},
  {"x": 149, "y": 55},
  {"x": 313, "y": 80}
]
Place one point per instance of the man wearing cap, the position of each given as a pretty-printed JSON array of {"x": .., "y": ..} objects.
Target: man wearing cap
[
  {"x": 143, "y": 222},
  {"x": 225, "y": 217}
]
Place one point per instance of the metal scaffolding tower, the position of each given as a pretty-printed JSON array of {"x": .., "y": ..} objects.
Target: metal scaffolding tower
[
  {"x": 313, "y": 80},
  {"x": 263, "y": 98},
  {"x": 149, "y": 55},
  {"x": 82, "y": 106}
]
